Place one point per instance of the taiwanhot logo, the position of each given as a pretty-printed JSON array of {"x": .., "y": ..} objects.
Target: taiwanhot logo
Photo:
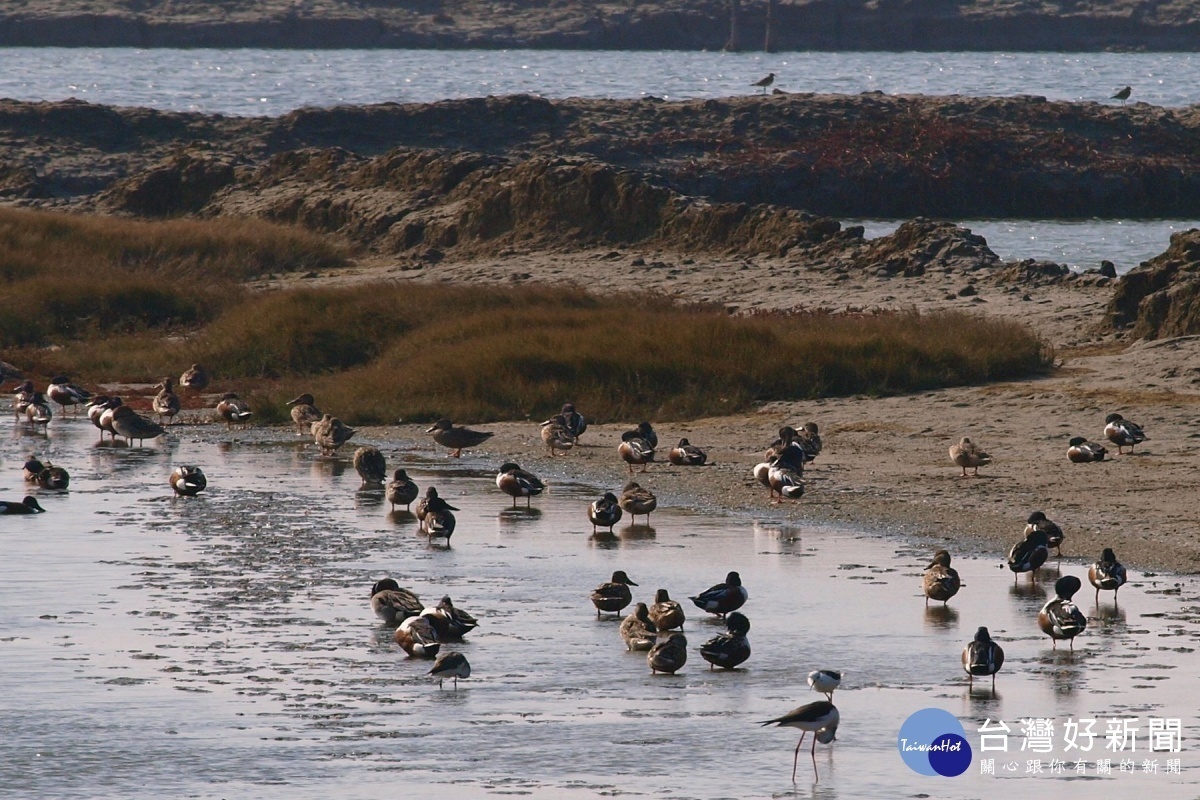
[{"x": 933, "y": 742}]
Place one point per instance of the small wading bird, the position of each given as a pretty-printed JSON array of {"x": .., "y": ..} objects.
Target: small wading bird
[
  {"x": 1054, "y": 535},
  {"x": 605, "y": 512},
  {"x": 941, "y": 580},
  {"x": 982, "y": 657},
  {"x": 612, "y": 596},
  {"x": 1107, "y": 574},
  {"x": 188, "y": 481},
  {"x": 1081, "y": 451},
  {"x": 968, "y": 454},
  {"x": 130, "y": 425},
  {"x": 728, "y": 650},
  {"x": 445, "y": 434},
  {"x": 1060, "y": 618},
  {"x": 1029, "y": 553},
  {"x": 1123, "y": 433},
  {"x": 818, "y": 717},
  {"x": 723, "y": 597},
  {"x": 637, "y": 630},
  {"x": 516, "y": 482},
  {"x": 825, "y": 681},
  {"x": 1123, "y": 95},
  {"x": 370, "y": 465},
  {"x": 393, "y": 604},
  {"x": 451, "y": 665},
  {"x": 763, "y": 83},
  {"x": 401, "y": 490}
]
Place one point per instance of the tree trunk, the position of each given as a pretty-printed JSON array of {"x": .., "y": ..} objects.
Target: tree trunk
[{"x": 734, "y": 45}]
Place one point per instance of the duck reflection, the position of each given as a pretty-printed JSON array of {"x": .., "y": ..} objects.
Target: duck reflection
[
  {"x": 941, "y": 618},
  {"x": 635, "y": 532},
  {"x": 512, "y": 517},
  {"x": 402, "y": 517}
]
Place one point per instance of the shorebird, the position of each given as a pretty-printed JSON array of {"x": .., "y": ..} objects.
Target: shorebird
[
  {"x": 187, "y": 481},
  {"x": 1081, "y": 451},
  {"x": 825, "y": 681},
  {"x": 982, "y": 657},
  {"x": 941, "y": 581},
  {"x": 763, "y": 83},
  {"x": 686, "y": 454},
  {"x": 637, "y": 501},
  {"x": 1060, "y": 618},
  {"x": 1029, "y": 553},
  {"x": 1107, "y": 573},
  {"x": 445, "y": 434},
  {"x": 666, "y": 613},
  {"x": 516, "y": 482},
  {"x": 968, "y": 454},
  {"x": 304, "y": 413},
  {"x": 723, "y": 597},
  {"x": 605, "y": 512},
  {"x": 669, "y": 655},
  {"x": 401, "y": 489},
  {"x": 1123, "y": 433},
  {"x": 451, "y": 665},
  {"x": 1054, "y": 534},
  {"x": 612, "y": 596},
  {"x": 728, "y": 650},
  {"x": 392, "y": 604},
  {"x": 1123, "y": 95},
  {"x": 370, "y": 465},
  {"x": 815, "y": 717},
  {"x": 637, "y": 629},
  {"x": 130, "y": 425}
]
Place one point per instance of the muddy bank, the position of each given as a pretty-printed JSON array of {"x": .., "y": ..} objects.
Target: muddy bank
[
  {"x": 868, "y": 155},
  {"x": 672, "y": 25}
]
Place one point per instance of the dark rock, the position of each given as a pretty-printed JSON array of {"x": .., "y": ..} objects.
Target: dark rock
[
  {"x": 1108, "y": 269},
  {"x": 183, "y": 183},
  {"x": 921, "y": 244},
  {"x": 1161, "y": 297},
  {"x": 967, "y": 291}
]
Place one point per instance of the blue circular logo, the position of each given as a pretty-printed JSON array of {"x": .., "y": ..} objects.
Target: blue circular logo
[{"x": 933, "y": 742}]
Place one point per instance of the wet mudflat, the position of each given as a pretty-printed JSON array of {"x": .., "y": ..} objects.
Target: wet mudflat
[{"x": 224, "y": 646}]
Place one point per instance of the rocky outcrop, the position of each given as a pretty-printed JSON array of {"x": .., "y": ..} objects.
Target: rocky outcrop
[
  {"x": 921, "y": 244},
  {"x": 1161, "y": 298},
  {"x": 181, "y": 184}
]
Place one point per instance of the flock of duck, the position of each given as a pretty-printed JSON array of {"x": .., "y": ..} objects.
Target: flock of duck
[{"x": 655, "y": 628}]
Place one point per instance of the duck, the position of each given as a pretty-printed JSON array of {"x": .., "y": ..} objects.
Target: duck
[
  {"x": 557, "y": 436},
  {"x": 304, "y": 413},
  {"x": 1107, "y": 574},
  {"x": 417, "y": 636},
  {"x": 634, "y": 452},
  {"x": 166, "y": 402},
  {"x": 401, "y": 489},
  {"x": 450, "y": 623},
  {"x": 576, "y": 424},
  {"x": 968, "y": 454},
  {"x": 1029, "y": 553},
  {"x": 982, "y": 657},
  {"x": 643, "y": 431},
  {"x": 370, "y": 465},
  {"x": 941, "y": 581},
  {"x": 37, "y": 410},
  {"x": 22, "y": 397},
  {"x": 666, "y": 613},
  {"x": 605, "y": 512},
  {"x": 97, "y": 406},
  {"x": 728, "y": 650},
  {"x": 668, "y": 655},
  {"x": 785, "y": 476},
  {"x": 516, "y": 482},
  {"x": 451, "y": 665},
  {"x": 106, "y": 417},
  {"x": 1060, "y": 618},
  {"x": 65, "y": 393},
  {"x": 330, "y": 433},
  {"x": 685, "y": 454},
  {"x": 638, "y": 630},
  {"x": 27, "y": 506},
  {"x": 233, "y": 409},
  {"x": 31, "y": 469},
  {"x": 723, "y": 597},
  {"x": 1123, "y": 433},
  {"x": 53, "y": 478},
  {"x": 637, "y": 500},
  {"x": 457, "y": 439},
  {"x": 1081, "y": 451},
  {"x": 188, "y": 480},
  {"x": 820, "y": 718},
  {"x": 130, "y": 425},
  {"x": 810, "y": 439},
  {"x": 762, "y": 474},
  {"x": 393, "y": 604},
  {"x": 438, "y": 521},
  {"x": 194, "y": 378},
  {"x": 1054, "y": 534},
  {"x": 825, "y": 681},
  {"x": 613, "y": 595},
  {"x": 787, "y": 435}
]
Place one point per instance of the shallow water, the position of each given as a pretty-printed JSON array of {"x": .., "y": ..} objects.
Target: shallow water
[{"x": 224, "y": 646}]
